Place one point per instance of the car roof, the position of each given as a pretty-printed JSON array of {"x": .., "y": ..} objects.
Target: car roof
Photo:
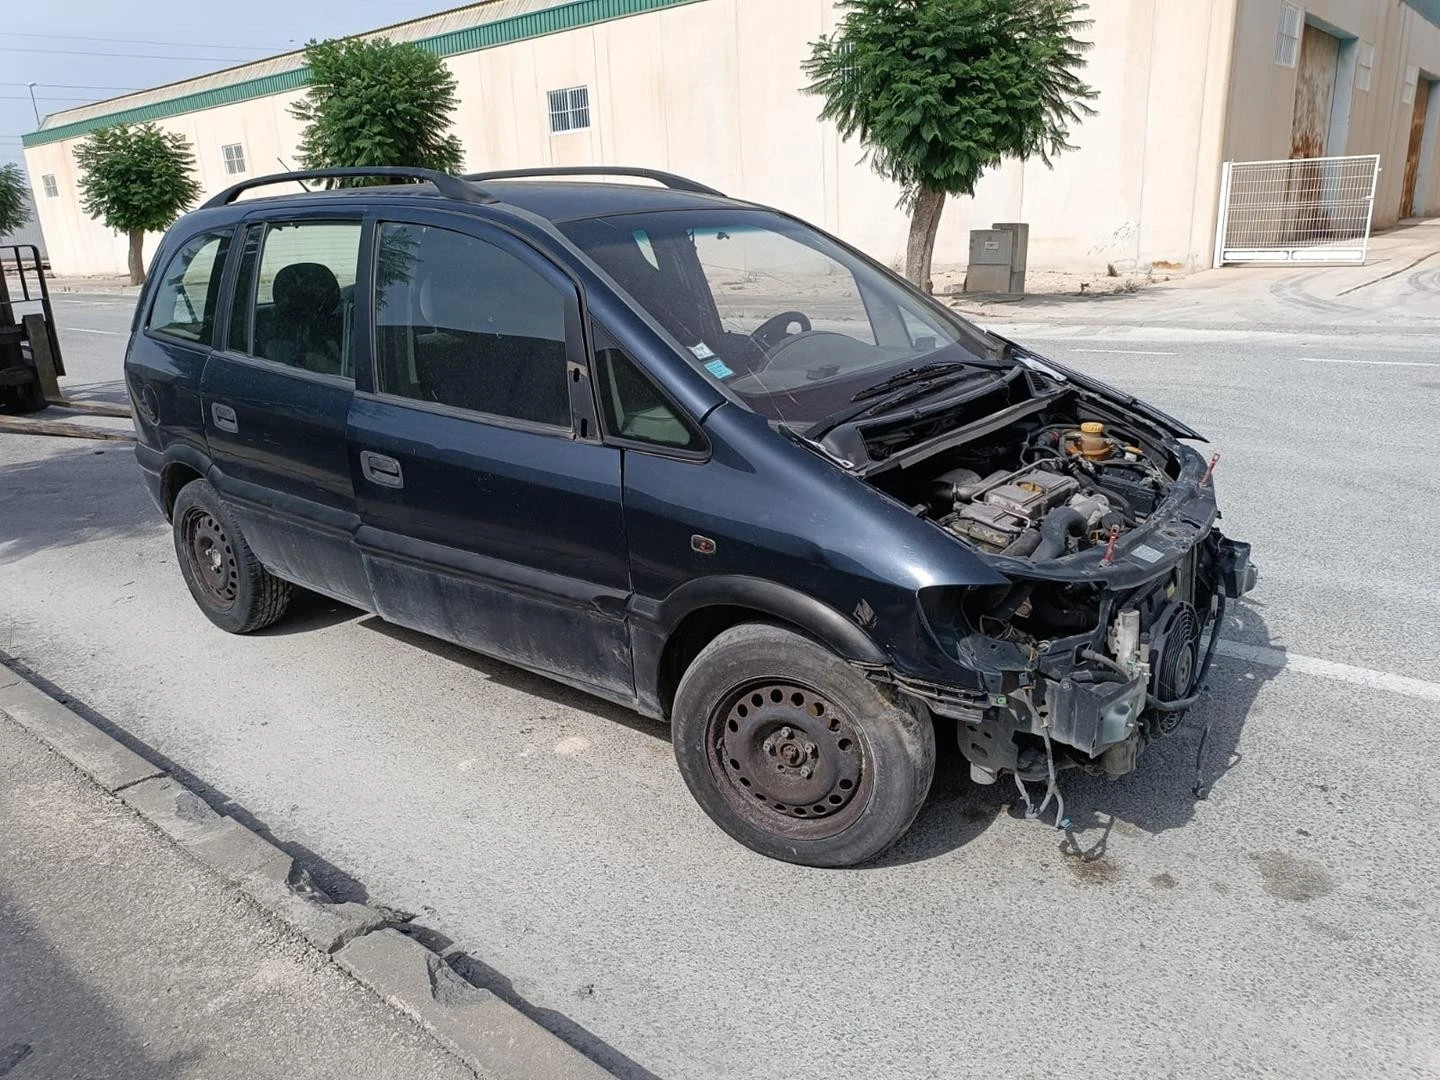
[
  {"x": 567, "y": 200},
  {"x": 555, "y": 200}
]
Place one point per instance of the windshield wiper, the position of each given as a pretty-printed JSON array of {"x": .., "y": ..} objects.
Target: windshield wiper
[
  {"x": 900, "y": 394},
  {"x": 923, "y": 373}
]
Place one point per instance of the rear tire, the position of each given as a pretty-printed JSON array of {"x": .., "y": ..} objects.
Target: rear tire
[
  {"x": 795, "y": 753},
  {"x": 234, "y": 591}
]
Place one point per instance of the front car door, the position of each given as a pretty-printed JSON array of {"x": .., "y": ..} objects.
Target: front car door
[
  {"x": 492, "y": 513},
  {"x": 276, "y": 395}
]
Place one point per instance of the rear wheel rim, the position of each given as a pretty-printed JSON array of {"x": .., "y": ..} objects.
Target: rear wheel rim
[
  {"x": 788, "y": 759},
  {"x": 211, "y": 557}
]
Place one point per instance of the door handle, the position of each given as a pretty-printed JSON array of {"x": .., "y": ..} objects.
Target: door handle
[
  {"x": 224, "y": 417},
  {"x": 381, "y": 469}
]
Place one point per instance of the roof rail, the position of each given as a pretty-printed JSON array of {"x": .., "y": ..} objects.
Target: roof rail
[
  {"x": 670, "y": 180},
  {"x": 452, "y": 187}
]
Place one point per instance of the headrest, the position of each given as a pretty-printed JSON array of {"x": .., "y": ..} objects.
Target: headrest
[{"x": 306, "y": 289}]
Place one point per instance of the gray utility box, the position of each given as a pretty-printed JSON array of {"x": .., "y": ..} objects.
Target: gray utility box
[{"x": 997, "y": 259}]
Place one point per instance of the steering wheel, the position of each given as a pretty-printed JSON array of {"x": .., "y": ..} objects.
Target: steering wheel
[{"x": 777, "y": 328}]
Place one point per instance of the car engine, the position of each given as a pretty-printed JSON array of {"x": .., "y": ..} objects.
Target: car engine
[{"x": 1079, "y": 487}]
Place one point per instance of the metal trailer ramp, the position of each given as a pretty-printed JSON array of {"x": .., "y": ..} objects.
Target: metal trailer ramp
[{"x": 1298, "y": 210}]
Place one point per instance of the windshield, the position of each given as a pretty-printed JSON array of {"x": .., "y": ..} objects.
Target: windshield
[{"x": 783, "y": 317}]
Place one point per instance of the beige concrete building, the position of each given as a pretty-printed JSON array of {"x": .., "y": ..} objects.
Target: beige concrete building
[{"x": 713, "y": 89}]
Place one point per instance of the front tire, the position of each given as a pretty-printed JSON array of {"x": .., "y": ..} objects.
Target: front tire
[
  {"x": 234, "y": 591},
  {"x": 795, "y": 753}
]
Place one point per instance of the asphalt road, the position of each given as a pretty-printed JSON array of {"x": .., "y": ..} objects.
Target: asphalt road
[{"x": 1285, "y": 927}]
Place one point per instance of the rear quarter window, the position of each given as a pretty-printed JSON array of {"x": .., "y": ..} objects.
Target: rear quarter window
[{"x": 188, "y": 294}]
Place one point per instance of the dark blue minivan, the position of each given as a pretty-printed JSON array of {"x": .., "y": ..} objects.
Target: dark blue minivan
[{"x": 689, "y": 454}]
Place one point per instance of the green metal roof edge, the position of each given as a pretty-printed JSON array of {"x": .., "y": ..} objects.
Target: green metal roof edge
[
  {"x": 1429, "y": 9},
  {"x": 532, "y": 24}
]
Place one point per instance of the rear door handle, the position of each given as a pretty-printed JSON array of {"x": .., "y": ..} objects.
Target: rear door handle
[
  {"x": 381, "y": 469},
  {"x": 224, "y": 417}
]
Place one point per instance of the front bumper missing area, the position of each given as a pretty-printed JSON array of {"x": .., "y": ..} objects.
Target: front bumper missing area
[
  {"x": 1086, "y": 700},
  {"x": 1088, "y": 715}
]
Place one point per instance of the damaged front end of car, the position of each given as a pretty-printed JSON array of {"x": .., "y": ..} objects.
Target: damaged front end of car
[{"x": 1102, "y": 524}]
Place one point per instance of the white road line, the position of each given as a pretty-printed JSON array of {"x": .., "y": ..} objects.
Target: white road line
[
  {"x": 1328, "y": 669},
  {"x": 1379, "y": 363},
  {"x": 87, "y": 330},
  {"x": 1123, "y": 352}
]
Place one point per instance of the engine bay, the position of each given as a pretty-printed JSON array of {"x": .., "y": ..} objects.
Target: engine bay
[{"x": 1041, "y": 492}]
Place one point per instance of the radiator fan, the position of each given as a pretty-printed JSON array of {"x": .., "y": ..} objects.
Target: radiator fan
[{"x": 1174, "y": 659}]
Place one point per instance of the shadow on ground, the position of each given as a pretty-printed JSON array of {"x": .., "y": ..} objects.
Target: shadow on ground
[
  {"x": 478, "y": 973},
  {"x": 1159, "y": 795},
  {"x": 111, "y": 391},
  {"x": 524, "y": 681},
  {"x": 61, "y": 494}
]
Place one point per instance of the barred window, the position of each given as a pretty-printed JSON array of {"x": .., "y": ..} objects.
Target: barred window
[
  {"x": 569, "y": 109},
  {"x": 234, "y": 155},
  {"x": 1287, "y": 39},
  {"x": 50, "y": 187}
]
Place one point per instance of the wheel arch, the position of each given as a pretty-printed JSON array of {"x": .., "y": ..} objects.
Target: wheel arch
[
  {"x": 698, "y": 612},
  {"x": 181, "y": 465}
]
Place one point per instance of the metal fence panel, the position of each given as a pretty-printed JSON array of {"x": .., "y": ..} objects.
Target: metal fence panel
[{"x": 1310, "y": 210}]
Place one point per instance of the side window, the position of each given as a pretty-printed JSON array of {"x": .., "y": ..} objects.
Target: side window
[
  {"x": 242, "y": 325},
  {"x": 461, "y": 322},
  {"x": 189, "y": 290},
  {"x": 633, "y": 406},
  {"x": 295, "y": 303}
]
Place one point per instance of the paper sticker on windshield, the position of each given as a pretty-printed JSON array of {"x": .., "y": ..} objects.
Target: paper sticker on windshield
[
  {"x": 717, "y": 368},
  {"x": 702, "y": 351},
  {"x": 1145, "y": 553}
]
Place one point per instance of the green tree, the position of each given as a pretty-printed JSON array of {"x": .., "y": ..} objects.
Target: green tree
[
  {"x": 14, "y": 198},
  {"x": 938, "y": 91},
  {"x": 136, "y": 180},
  {"x": 377, "y": 102}
]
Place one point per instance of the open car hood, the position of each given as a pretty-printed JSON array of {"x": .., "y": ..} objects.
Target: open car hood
[{"x": 1055, "y": 370}]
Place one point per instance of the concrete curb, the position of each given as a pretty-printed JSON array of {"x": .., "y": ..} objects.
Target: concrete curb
[
  {"x": 419, "y": 983},
  {"x": 492, "y": 1037}
]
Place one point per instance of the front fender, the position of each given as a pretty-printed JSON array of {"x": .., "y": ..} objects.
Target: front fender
[
  {"x": 813, "y": 616},
  {"x": 654, "y": 622}
]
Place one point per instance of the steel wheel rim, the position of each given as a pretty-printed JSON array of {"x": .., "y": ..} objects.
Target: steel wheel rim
[
  {"x": 211, "y": 558},
  {"x": 788, "y": 759}
]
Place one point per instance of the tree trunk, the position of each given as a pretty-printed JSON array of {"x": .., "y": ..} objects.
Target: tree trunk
[
  {"x": 137, "y": 256},
  {"x": 924, "y": 222}
]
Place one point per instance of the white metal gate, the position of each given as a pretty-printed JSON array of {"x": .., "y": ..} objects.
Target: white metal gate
[{"x": 1306, "y": 210}]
